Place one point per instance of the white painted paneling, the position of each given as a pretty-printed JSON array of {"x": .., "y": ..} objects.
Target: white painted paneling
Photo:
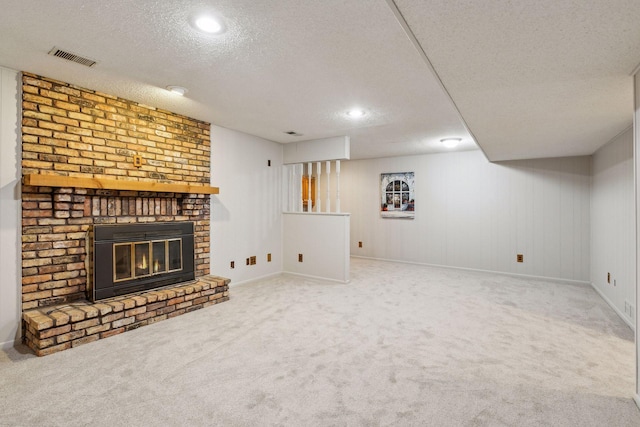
[
  {"x": 10, "y": 285},
  {"x": 636, "y": 165},
  {"x": 317, "y": 150},
  {"x": 292, "y": 187},
  {"x": 246, "y": 217},
  {"x": 612, "y": 224},
  {"x": 474, "y": 214},
  {"x": 322, "y": 239}
]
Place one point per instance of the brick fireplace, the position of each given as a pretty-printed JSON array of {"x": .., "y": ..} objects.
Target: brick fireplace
[{"x": 79, "y": 134}]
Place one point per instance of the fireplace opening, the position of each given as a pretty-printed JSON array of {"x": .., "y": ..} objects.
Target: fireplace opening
[
  {"x": 132, "y": 260},
  {"x": 138, "y": 257}
]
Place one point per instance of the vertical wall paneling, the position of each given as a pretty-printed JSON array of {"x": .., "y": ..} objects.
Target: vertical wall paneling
[
  {"x": 291, "y": 189},
  {"x": 246, "y": 217},
  {"x": 294, "y": 186},
  {"x": 322, "y": 239},
  {"x": 636, "y": 151},
  {"x": 10, "y": 209},
  {"x": 474, "y": 214},
  {"x": 612, "y": 224}
]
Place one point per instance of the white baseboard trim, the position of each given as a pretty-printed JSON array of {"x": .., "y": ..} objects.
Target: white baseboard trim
[
  {"x": 478, "y": 270},
  {"x": 308, "y": 276},
  {"x": 7, "y": 345},
  {"x": 636, "y": 398},
  {"x": 255, "y": 279},
  {"x": 616, "y": 309}
]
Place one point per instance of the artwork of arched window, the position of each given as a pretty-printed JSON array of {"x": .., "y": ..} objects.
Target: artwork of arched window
[{"x": 397, "y": 195}]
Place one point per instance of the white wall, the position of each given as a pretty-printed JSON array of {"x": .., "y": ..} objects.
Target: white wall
[
  {"x": 9, "y": 207},
  {"x": 247, "y": 214},
  {"x": 323, "y": 240},
  {"x": 317, "y": 150},
  {"x": 474, "y": 214},
  {"x": 636, "y": 165},
  {"x": 613, "y": 224}
]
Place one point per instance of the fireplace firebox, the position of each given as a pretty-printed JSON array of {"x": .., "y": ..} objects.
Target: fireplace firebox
[{"x": 137, "y": 257}]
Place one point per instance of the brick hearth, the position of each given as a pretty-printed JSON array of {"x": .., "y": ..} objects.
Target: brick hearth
[
  {"x": 52, "y": 329},
  {"x": 76, "y": 132}
]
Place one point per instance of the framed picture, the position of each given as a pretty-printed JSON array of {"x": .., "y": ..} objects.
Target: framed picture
[{"x": 397, "y": 195}]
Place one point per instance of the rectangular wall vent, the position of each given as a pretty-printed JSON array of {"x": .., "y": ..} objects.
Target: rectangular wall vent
[{"x": 72, "y": 57}]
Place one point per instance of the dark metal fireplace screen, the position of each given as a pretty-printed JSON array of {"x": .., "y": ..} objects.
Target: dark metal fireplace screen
[
  {"x": 132, "y": 260},
  {"x": 137, "y": 257}
]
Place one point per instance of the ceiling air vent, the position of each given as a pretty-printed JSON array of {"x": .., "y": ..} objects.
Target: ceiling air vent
[{"x": 72, "y": 57}]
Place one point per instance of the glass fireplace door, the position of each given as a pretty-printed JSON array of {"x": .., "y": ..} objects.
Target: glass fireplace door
[
  {"x": 133, "y": 260},
  {"x": 159, "y": 256}
]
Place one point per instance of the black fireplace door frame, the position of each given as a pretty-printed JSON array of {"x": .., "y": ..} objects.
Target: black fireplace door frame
[{"x": 105, "y": 236}]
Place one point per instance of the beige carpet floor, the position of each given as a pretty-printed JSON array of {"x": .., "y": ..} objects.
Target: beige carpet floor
[{"x": 401, "y": 345}]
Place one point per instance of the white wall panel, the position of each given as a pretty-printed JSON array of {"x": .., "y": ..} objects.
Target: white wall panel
[
  {"x": 322, "y": 239},
  {"x": 246, "y": 217},
  {"x": 636, "y": 165},
  {"x": 612, "y": 224},
  {"x": 474, "y": 214},
  {"x": 316, "y": 150},
  {"x": 10, "y": 285}
]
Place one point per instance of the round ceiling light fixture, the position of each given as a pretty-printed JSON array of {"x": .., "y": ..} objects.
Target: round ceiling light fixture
[
  {"x": 178, "y": 90},
  {"x": 451, "y": 142},
  {"x": 208, "y": 24},
  {"x": 356, "y": 113}
]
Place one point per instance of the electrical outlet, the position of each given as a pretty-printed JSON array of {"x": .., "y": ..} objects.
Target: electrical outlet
[
  {"x": 520, "y": 257},
  {"x": 359, "y": 244},
  {"x": 268, "y": 162},
  {"x": 268, "y": 257},
  {"x": 252, "y": 260},
  {"x": 300, "y": 258},
  {"x": 233, "y": 264}
]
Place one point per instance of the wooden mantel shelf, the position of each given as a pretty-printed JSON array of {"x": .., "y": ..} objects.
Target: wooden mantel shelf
[{"x": 42, "y": 180}]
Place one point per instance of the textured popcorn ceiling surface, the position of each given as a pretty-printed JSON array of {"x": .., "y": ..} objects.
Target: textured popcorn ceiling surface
[
  {"x": 544, "y": 78},
  {"x": 531, "y": 79}
]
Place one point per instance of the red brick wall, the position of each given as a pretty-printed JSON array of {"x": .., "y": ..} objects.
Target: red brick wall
[{"x": 67, "y": 130}]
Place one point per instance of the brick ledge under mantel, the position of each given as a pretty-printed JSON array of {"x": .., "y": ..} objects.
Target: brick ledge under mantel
[{"x": 51, "y": 329}]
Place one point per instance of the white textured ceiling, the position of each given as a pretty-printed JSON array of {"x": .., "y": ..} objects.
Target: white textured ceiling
[
  {"x": 535, "y": 80},
  {"x": 543, "y": 78}
]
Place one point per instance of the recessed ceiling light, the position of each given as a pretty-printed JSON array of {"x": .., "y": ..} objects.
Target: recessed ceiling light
[
  {"x": 356, "y": 113},
  {"x": 178, "y": 90},
  {"x": 451, "y": 142},
  {"x": 208, "y": 24}
]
